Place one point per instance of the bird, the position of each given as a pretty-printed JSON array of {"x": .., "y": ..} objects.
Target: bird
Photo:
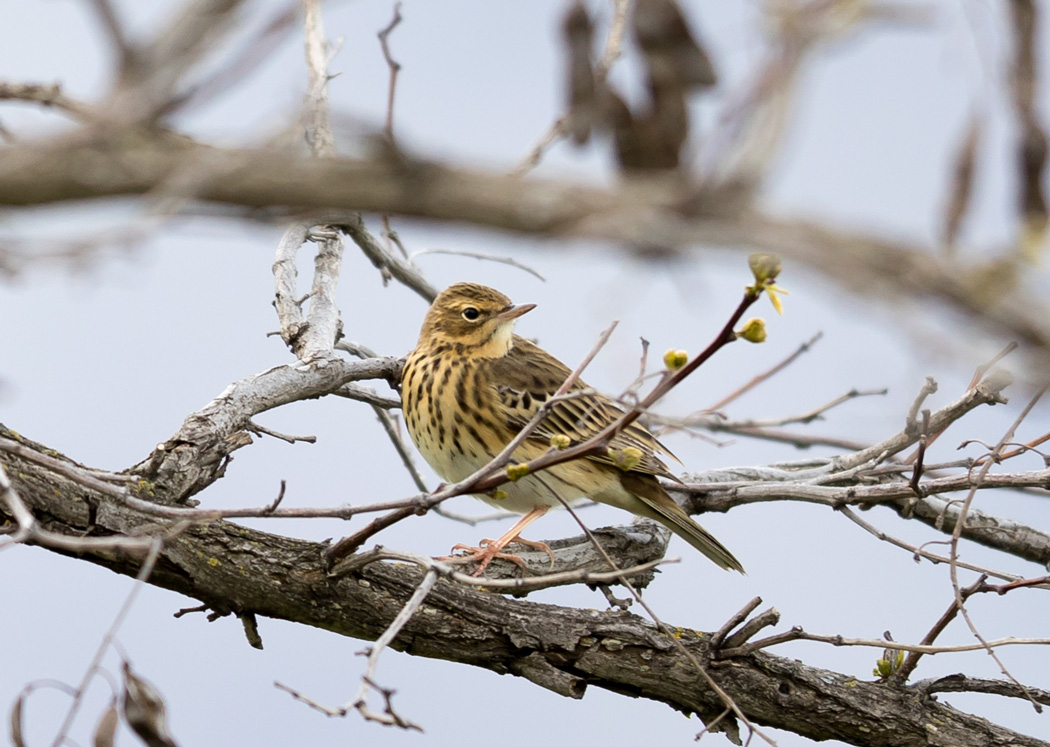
[{"x": 471, "y": 384}]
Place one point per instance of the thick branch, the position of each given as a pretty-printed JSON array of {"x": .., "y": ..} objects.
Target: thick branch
[
  {"x": 136, "y": 162},
  {"x": 196, "y": 455},
  {"x": 233, "y": 569}
]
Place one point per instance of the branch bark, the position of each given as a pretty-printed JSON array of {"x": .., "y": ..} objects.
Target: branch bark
[{"x": 248, "y": 572}]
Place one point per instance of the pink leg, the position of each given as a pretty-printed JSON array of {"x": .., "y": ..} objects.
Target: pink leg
[{"x": 494, "y": 548}]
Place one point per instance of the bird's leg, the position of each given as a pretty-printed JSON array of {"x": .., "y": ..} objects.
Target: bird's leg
[{"x": 491, "y": 549}]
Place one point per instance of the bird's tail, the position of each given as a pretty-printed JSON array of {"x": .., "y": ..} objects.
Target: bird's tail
[{"x": 671, "y": 515}]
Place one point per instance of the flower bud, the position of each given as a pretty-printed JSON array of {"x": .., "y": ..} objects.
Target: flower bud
[{"x": 754, "y": 330}]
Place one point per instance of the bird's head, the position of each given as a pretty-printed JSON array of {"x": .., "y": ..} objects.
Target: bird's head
[{"x": 474, "y": 318}]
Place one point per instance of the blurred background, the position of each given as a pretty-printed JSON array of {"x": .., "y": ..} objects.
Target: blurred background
[{"x": 107, "y": 350}]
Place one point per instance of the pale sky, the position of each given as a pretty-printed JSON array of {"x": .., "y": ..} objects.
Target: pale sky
[{"x": 103, "y": 361}]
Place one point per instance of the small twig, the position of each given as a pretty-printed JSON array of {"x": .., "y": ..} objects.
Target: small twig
[
  {"x": 805, "y": 418},
  {"x": 190, "y": 610},
  {"x": 614, "y": 42},
  {"x": 108, "y": 639},
  {"x": 386, "y": 261},
  {"x": 958, "y": 683},
  {"x": 558, "y": 130},
  {"x": 752, "y": 626},
  {"x": 803, "y": 348},
  {"x": 798, "y": 440},
  {"x": 49, "y": 96},
  {"x": 477, "y": 255},
  {"x": 263, "y": 430},
  {"x": 250, "y": 626},
  {"x": 276, "y": 501},
  {"x": 27, "y": 529},
  {"x": 360, "y": 701},
  {"x": 957, "y": 534},
  {"x": 1021, "y": 583},
  {"x": 614, "y": 601},
  {"x": 392, "y": 433},
  {"x": 918, "y": 552},
  {"x": 798, "y": 634},
  {"x": 749, "y": 648},
  {"x": 388, "y": 125},
  {"x": 732, "y": 622},
  {"x": 929, "y": 387},
  {"x": 912, "y": 660},
  {"x": 986, "y": 367},
  {"x": 553, "y": 135},
  {"x": 916, "y": 474},
  {"x": 368, "y": 395},
  {"x": 395, "y": 68},
  {"x": 107, "y": 14},
  {"x": 668, "y": 632}
]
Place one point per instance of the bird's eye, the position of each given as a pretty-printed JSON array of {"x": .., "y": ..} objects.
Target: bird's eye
[{"x": 471, "y": 314}]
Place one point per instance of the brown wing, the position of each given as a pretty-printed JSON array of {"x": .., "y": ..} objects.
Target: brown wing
[{"x": 529, "y": 376}]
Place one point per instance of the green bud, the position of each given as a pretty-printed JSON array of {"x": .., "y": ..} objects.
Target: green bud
[
  {"x": 517, "y": 471},
  {"x": 626, "y": 458},
  {"x": 754, "y": 330},
  {"x": 765, "y": 267},
  {"x": 675, "y": 359}
]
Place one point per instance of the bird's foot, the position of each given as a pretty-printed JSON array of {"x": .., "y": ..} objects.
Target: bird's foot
[
  {"x": 483, "y": 555},
  {"x": 535, "y": 544},
  {"x": 488, "y": 550}
]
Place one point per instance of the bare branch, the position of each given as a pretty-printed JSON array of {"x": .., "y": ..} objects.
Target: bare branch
[
  {"x": 487, "y": 257},
  {"x": 49, "y": 96}
]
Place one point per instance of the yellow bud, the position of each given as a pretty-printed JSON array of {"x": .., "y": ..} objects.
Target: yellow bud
[
  {"x": 499, "y": 495},
  {"x": 889, "y": 664},
  {"x": 675, "y": 359},
  {"x": 517, "y": 471},
  {"x": 560, "y": 441},
  {"x": 626, "y": 458},
  {"x": 765, "y": 267},
  {"x": 754, "y": 330}
]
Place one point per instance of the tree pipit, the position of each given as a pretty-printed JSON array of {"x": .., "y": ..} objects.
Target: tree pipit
[{"x": 471, "y": 384}]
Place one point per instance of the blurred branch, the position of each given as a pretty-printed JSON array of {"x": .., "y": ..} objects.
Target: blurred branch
[
  {"x": 1033, "y": 144},
  {"x": 48, "y": 96},
  {"x": 639, "y": 214}
]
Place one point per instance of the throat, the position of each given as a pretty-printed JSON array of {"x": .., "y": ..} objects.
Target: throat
[{"x": 496, "y": 345}]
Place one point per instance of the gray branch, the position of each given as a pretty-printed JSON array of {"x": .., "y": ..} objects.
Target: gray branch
[{"x": 561, "y": 649}]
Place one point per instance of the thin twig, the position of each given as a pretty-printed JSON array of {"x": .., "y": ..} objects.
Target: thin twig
[
  {"x": 395, "y": 68},
  {"x": 920, "y": 455},
  {"x": 668, "y": 632},
  {"x": 360, "y": 701},
  {"x": 798, "y": 634},
  {"x": 918, "y": 552},
  {"x": 557, "y": 131},
  {"x": 263, "y": 430},
  {"x": 108, "y": 639},
  {"x": 485, "y": 257},
  {"x": 957, "y": 534},
  {"x": 735, "y": 620},
  {"x": 803, "y": 348},
  {"x": 912, "y": 660},
  {"x": 388, "y": 125}
]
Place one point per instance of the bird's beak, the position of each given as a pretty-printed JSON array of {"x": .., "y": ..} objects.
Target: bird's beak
[{"x": 513, "y": 312}]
